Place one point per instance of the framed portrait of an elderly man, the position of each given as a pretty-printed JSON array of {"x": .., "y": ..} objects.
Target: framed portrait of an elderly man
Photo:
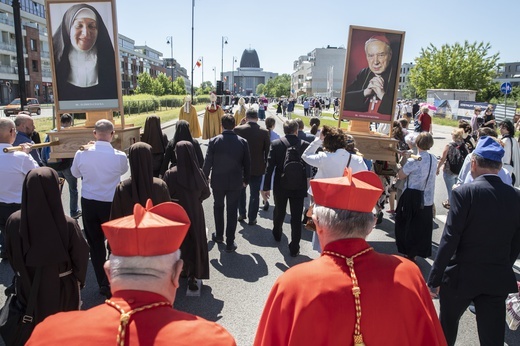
[
  {"x": 371, "y": 74},
  {"x": 84, "y": 55}
]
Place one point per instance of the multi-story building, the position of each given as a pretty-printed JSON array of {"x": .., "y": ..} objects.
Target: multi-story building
[
  {"x": 248, "y": 75},
  {"x": 38, "y": 73},
  {"x": 508, "y": 72},
  {"x": 319, "y": 73},
  {"x": 403, "y": 78},
  {"x": 135, "y": 60}
]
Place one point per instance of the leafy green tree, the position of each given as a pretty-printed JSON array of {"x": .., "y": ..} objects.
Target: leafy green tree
[
  {"x": 165, "y": 82},
  {"x": 144, "y": 84},
  {"x": 279, "y": 86},
  {"x": 458, "y": 66},
  {"x": 205, "y": 88},
  {"x": 179, "y": 87},
  {"x": 157, "y": 87},
  {"x": 260, "y": 89}
]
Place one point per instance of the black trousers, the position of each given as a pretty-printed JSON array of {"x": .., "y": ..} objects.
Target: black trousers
[
  {"x": 296, "y": 208},
  {"x": 94, "y": 214},
  {"x": 6, "y": 209},
  {"x": 490, "y": 316},
  {"x": 231, "y": 197}
]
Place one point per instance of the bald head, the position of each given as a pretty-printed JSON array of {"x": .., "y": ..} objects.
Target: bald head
[
  {"x": 103, "y": 130},
  {"x": 7, "y": 131},
  {"x": 24, "y": 124}
]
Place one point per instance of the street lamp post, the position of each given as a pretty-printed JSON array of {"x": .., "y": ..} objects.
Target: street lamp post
[
  {"x": 224, "y": 41},
  {"x": 215, "y": 75},
  {"x": 192, "y": 35},
  {"x": 169, "y": 40},
  {"x": 232, "y": 87}
]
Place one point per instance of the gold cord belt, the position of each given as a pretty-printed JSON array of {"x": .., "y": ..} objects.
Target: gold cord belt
[
  {"x": 356, "y": 291},
  {"x": 124, "y": 320}
]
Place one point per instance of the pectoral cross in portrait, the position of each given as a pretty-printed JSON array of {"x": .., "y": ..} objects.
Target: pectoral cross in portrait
[{"x": 373, "y": 103}]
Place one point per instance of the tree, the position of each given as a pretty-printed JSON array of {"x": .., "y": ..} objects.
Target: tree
[
  {"x": 205, "y": 88},
  {"x": 260, "y": 88},
  {"x": 165, "y": 82},
  {"x": 144, "y": 84},
  {"x": 458, "y": 66},
  {"x": 279, "y": 86},
  {"x": 179, "y": 86}
]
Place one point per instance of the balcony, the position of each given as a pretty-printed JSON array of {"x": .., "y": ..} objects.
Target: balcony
[
  {"x": 7, "y": 69},
  {"x": 6, "y": 21},
  {"x": 7, "y": 46}
]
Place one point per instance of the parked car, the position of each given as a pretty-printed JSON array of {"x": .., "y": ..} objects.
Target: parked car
[{"x": 33, "y": 106}]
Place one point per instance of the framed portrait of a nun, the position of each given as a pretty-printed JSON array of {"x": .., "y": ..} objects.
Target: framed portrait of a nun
[
  {"x": 372, "y": 71},
  {"x": 84, "y": 55}
]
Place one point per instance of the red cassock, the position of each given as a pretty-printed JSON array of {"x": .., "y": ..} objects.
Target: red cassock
[
  {"x": 312, "y": 303},
  {"x": 157, "y": 326}
]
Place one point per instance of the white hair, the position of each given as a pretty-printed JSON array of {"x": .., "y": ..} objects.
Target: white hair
[
  {"x": 148, "y": 267},
  {"x": 344, "y": 223}
]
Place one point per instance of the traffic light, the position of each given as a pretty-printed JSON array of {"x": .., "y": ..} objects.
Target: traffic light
[{"x": 220, "y": 87}]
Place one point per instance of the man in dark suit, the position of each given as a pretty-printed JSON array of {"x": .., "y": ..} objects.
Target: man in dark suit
[
  {"x": 229, "y": 162},
  {"x": 307, "y": 137},
  {"x": 259, "y": 142},
  {"x": 275, "y": 164},
  {"x": 480, "y": 243}
]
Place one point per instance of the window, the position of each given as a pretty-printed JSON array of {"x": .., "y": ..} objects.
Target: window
[
  {"x": 517, "y": 68},
  {"x": 35, "y": 65},
  {"x": 34, "y": 45}
]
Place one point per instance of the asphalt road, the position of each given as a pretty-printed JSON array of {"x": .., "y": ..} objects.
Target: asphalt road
[{"x": 239, "y": 282}]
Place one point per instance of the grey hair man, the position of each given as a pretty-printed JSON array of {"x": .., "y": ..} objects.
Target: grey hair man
[
  {"x": 343, "y": 218},
  {"x": 143, "y": 270},
  {"x": 14, "y": 166}
]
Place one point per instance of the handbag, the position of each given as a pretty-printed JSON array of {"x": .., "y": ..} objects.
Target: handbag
[
  {"x": 417, "y": 127},
  {"x": 16, "y": 320}
]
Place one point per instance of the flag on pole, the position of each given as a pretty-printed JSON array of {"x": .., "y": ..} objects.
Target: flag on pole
[{"x": 198, "y": 63}]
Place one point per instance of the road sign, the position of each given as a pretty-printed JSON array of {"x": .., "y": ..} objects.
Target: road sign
[{"x": 506, "y": 88}]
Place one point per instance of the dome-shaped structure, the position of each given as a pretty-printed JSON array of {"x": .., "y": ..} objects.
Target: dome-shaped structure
[{"x": 249, "y": 59}]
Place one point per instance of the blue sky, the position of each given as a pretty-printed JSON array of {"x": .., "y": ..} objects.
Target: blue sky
[{"x": 282, "y": 30}]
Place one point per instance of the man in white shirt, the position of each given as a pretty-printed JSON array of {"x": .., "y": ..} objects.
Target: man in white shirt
[
  {"x": 14, "y": 166},
  {"x": 100, "y": 168}
]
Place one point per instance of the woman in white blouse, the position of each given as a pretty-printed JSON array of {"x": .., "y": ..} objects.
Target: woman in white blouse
[{"x": 332, "y": 160}]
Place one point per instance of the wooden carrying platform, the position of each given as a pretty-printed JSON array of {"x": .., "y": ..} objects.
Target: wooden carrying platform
[
  {"x": 373, "y": 146},
  {"x": 72, "y": 138}
]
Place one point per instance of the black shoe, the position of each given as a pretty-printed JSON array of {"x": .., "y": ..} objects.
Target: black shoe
[
  {"x": 241, "y": 218},
  {"x": 472, "y": 308},
  {"x": 294, "y": 254},
  {"x": 105, "y": 291},
  {"x": 192, "y": 284},
  {"x": 216, "y": 239},
  {"x": 76, "y": 215},
  {"x": 231, "y": 247},
  {"x": 266, "y": 206},
  {"x": 252, "y": 222},
  {"x": 277, "y": 238},
  {"x": 379, "y": 218}
]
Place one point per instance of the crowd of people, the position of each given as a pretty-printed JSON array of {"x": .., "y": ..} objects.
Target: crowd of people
[{"x": 155, "y": 226}]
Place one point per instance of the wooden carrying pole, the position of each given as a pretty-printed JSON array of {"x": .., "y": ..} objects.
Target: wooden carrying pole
[{"x": 34, "y": 146}]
